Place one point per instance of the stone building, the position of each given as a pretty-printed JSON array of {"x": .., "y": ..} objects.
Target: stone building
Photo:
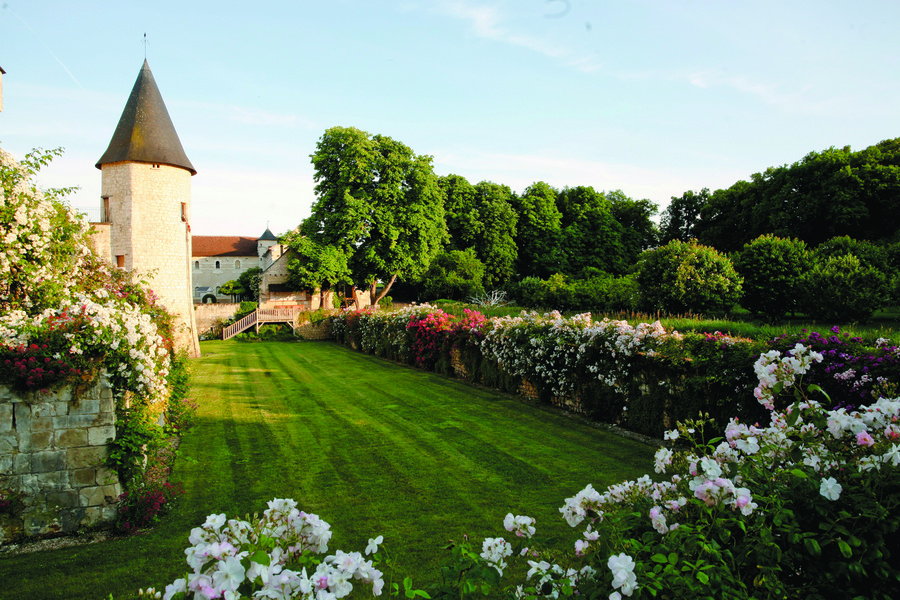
[
  {"x": 146, "y": 204},
  {"x": 218, "y": 259}
]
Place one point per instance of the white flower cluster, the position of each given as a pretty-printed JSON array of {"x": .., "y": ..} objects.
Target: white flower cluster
[
  {"x": 771, "y": 368},
  {"x": 32, "y": 228},
  {"x": 554, "y": 349},
  {"x": 221, "y": 549}
]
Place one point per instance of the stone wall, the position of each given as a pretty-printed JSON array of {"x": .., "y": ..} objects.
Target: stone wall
[
  {"x": 210, "y": 316},
  {"x": 52, "y": 451},
  {"x": 313, "y": 331}
]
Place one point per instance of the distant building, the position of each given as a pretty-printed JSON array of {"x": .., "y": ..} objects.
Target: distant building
[{"x": 218, "y": 259}]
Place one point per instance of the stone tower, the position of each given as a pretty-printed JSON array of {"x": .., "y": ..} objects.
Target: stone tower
[{"x": 146, "y": 191}]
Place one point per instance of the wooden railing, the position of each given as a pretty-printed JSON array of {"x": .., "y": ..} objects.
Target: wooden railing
[{"x": 259, "y": 316}]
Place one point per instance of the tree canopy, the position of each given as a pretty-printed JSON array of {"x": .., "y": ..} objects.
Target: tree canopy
[
  {"x": 378, "y": 203},
  {"x": 836, "y": 192}
]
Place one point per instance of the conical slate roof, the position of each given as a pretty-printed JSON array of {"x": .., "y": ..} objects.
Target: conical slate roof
[
  {"x": 268, "y": 236},
  {"x": 145, "y": 132}
]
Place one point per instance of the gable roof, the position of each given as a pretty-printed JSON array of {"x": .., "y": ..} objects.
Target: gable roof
[
  {"x": 145, "y": 132},
  {"x": 223, "y": 245}
]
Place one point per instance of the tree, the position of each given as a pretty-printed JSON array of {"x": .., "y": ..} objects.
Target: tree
[
  {"x": 250, "y": 280},
  {"x": 496, "y": 246},
  {"x": 464, "y": 224},
  {"x": 639, "y": 232},
  {"x": 538, "y": 231},
  {"x": 379, "y": 204},
  {"x": 772, "y": 269},
  {"x": 682, "y": 214},
  {"x": 687, "y": 277},
  {"x": 232, "y": 288},
  {"x": 315, "y": 267},
  {"x": 591, "y": 236}
]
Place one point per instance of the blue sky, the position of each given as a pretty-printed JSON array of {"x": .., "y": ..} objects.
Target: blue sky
[{"x": 653, "y": 97}]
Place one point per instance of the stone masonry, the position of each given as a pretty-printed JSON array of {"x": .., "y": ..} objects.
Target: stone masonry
[{"x": 52, "y": 451}]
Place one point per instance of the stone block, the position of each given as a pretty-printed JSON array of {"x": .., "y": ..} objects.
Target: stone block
[
  {"x": 50, "y": 460},
  {"x": 105, "y": 419},
  {"x": 36, "y": 441},
  {"x": 88, "y": 456},
  {"x": 84, "y": 477},
  {"x": 92, "y": 496},
  {"x": 43, "y": 409},
  {"x": 106, "y": 476},
  {"x": 8, "y": 443},
  {"x": 6, "y": 417},
  {"x": 69, "y": 438},
  {"x": 42, "y": 423},
  {"x": 52, "y": 480},
  {"x": 22, "y": 416},
  {"x": 6, "y": 463},
  {"x": 98, "y": 436},
  {"x": 84, "y": 406},
  {"x": 63, "y": 499},
  {"x": 22, "y": 463},
  {"x": 92, "y": 516},
  {"x": 61, "y": 422},
  {"x": 107, "y": 403},
  {"x": 83, "y": 420}
]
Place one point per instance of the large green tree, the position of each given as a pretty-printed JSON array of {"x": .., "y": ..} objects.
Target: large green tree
[
  {"x": 379, "y": 203},
  {"x": 538, "y": 231},
  {"x": 639, "y": 232},
  {"x": 496, "y": 245},
  {"x": 682, "y": 214},
  {"x": 591, "y": 237}
]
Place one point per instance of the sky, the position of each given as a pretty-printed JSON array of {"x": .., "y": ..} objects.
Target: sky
[{"x": 651, "y": 97}]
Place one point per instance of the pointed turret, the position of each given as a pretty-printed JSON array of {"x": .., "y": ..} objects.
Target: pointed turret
[{"x": 145, "y": 132}]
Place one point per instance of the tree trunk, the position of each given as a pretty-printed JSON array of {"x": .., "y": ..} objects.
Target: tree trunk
[{"x": 383, "y": 293}]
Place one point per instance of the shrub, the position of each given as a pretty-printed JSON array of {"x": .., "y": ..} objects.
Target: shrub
[
  {"x": 683, "y": 277},
  {"x": 842, "y": 289},
  {"x": 456, "y": 274},
  {"x": 772, "y": 268},
  {"x": 143, "y": 505}
]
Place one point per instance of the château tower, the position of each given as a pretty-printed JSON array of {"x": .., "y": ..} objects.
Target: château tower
[{"x": 146, "y": 192}]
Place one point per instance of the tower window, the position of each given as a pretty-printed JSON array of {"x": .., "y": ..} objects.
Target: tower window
[
  {"x": 120, "y": 261},
  {"x": 104, "y": 210},
  {"x": 218, "y": 265},
  {"x": 155, "y": 167},
  {"x": 237, "y": 265},
  {"x": 184, "y": 212},
  {"x": 197, "y": 264}
]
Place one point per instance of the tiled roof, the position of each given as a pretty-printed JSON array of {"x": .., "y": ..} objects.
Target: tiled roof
[{"x": 223, "y": 245}]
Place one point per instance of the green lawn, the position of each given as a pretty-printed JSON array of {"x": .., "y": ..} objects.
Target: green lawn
[{"x": 370, "y": 446}]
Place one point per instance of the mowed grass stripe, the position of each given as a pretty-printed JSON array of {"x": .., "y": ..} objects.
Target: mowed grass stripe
[{"x": 371, "y": 446}]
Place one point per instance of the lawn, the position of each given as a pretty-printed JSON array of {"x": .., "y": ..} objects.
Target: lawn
[{"x": 370, "y": 446}]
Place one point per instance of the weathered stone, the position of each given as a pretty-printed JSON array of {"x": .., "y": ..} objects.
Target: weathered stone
[
  {"x": 8, "y": 443},
  {"x": 65, "y": 499},
  {"x": 101, "y": 435},
  {"x": 92, "y": 496},
  {"x": 52, "y": 460},
  {"x": 36, "y": 441},
  {"x": 107, "y": 403},
  {"x": 106, "y": 476},
  {"x": 90, "y": 456},
  {"x": 84, "y": 477},
  {"x": 22, "y": 463},
  {"x": 6, "y": 416},
  {"x": 42, "y": 409},
  {"x": 6, "y": 463},
  {"x": 68, "y": 438},
  {"x": 52, "y": 480},
  {"x": 71, "y": 519},
  {"x": 83, "y": 420},
  {"x": 92, "y": 516},
  {"x": 22, "y": 416},
  {"x": 42, "y": 423},
  {"x": 84, "y": 406}
]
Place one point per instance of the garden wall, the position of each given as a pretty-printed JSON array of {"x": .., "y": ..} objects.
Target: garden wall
[
  {"x": 210, "y": 318},
  {"x": 53, "y": 445}
]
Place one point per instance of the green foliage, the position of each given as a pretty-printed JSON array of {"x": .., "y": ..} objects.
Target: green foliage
[
  {"x": 249, "y": 280},
  {"x": 591, "y": 236},
  {"x": 496, "y": 245},
  {"x": 842, "y": 289},
  {"x": 682, "y": 214},
  {"x": 831, "y": 193},
  {"x": 538, "y": 231},
  {"x": 136, "y": 431},
  {"x": 772, "y": 268},
  {"x": 685, "y": 277},
  {"x": 181, "y": 412},
  {"x": 454, "y": 275},
  {"x": 316, "y": 266},
  {"x": 600, "y": 293},
  {"x": 232, "y": 288},
  {"x": 378, "y": 203}
]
